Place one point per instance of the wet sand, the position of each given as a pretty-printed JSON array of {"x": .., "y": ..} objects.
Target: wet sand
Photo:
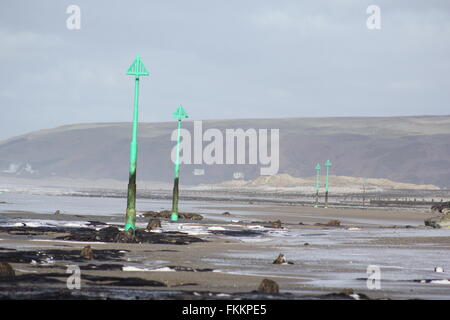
[
  {"x": 239, "y": 249},
  {"x": 376, "y": 216}
]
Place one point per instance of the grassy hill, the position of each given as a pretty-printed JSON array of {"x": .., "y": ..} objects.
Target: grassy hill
[{"x": 404, "y": 149}]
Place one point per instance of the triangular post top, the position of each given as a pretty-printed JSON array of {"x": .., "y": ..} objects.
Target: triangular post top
[
  {"x": 180, "y": 113},
  {"x": 318, "y": 167},
  {"x": 137, "y": 68},
  {"x": 328, "y": 163}
]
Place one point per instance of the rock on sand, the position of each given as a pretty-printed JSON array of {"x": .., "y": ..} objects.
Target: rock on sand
[
  {"x": 87, "y": 253},
  {"x": 153, "y": 224},
  {"x": 441, "y": 221},
  {"x": 281, "y": 259},
  {"x": 268, "y": 286},
  {"x": 6, "y": 271}
]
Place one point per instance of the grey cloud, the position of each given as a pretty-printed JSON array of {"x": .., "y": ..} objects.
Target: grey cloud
[{"x": 220, "y": 59}]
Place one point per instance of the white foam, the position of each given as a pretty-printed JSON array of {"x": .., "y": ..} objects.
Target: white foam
[
  {"x": 443, "y": 281},
  {"x": 130, "y": 268},
  {"x": 257, "y": 226},
  {"x": 75, "y": 225},
  {"x": 46, "y": 223},
  {"x": 192, "y": 229},
  {"x": 216, "y": 228},
  {"x": 67, "y": 241},
  {"x": 164, "y": 269}
]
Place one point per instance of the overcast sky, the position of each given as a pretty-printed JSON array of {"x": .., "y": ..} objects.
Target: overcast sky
[{"x": 221, "y": 59}]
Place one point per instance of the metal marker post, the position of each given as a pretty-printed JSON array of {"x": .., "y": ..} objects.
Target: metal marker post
[
  {"x": 179, "y": 114},
  {"x": 137, "y": 69},
  {"x": 317, "y": 184},
  {"x": 327, "y": 165}
]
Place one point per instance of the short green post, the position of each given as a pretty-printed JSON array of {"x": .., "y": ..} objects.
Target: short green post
[
  {"x": 179, "y": 115},
  {"x": 317, "y": 185},
  {"x": 327, "y": 165},
  {"x": 137, "y": 69}
]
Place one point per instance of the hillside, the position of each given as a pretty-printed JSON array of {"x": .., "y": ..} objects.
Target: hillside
[{"x": 413, "y": 150}]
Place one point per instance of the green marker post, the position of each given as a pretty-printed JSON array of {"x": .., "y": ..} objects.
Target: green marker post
[
  {"x": 327, "y": 165},
  {"x": 137, "y": 69},
  {"x": 179, "y": 114},
  {"x": 317, "y": 184}
]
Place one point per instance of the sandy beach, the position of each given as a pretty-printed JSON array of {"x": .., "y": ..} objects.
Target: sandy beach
[{"x": 229, "y": 255}]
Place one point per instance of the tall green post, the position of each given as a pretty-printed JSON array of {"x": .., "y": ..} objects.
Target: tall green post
[
  {"x": 179, "y": 114},
  {"x": 136, "y": 69},
  {"x": 317, "y": 184},
  {"x": 327, "y": 165}
]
